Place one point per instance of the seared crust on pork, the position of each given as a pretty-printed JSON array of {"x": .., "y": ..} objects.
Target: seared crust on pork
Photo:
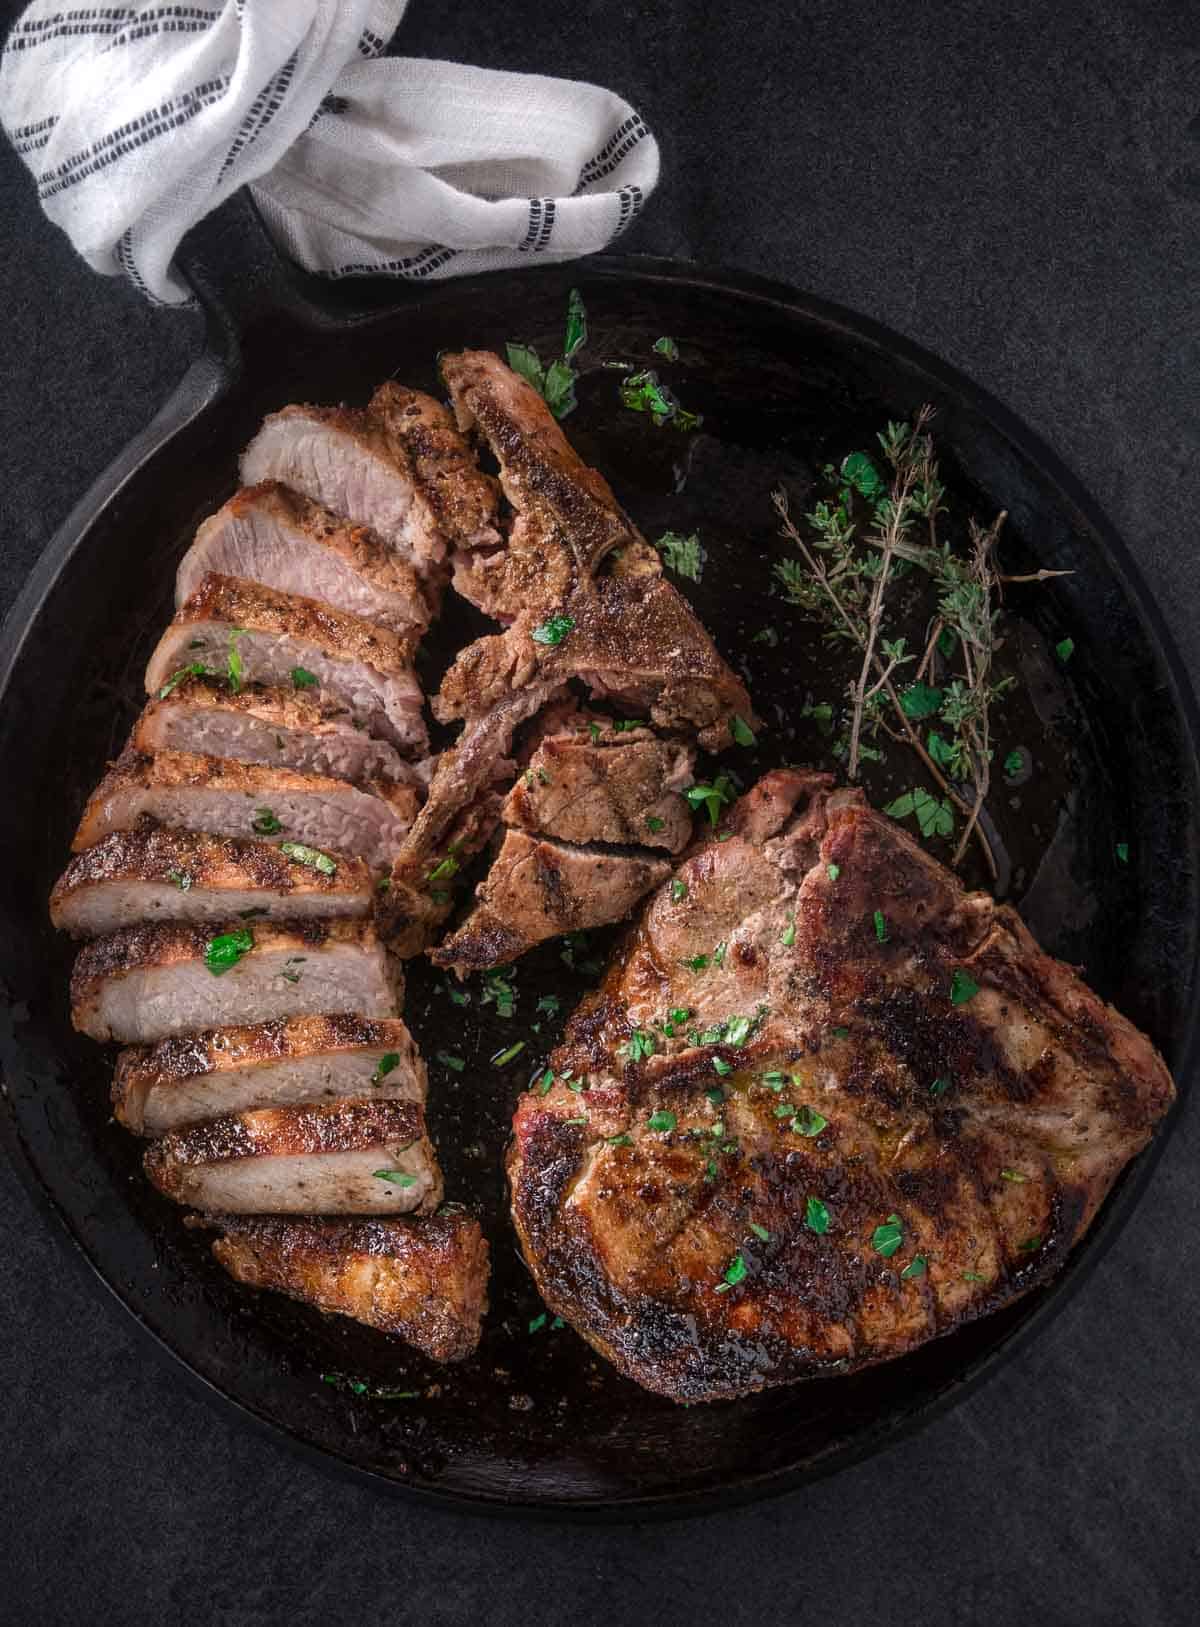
[
  {"x": 424, "y": 1279},
  {"x": 866, "y": 1054},
  {"x": 623, "y": 792}
]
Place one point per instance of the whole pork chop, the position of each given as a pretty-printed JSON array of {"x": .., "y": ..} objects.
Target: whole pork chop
[{"x": 834, "y": 1107}]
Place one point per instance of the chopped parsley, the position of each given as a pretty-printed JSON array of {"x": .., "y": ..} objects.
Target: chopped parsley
[
  {"x": 233, "y": 663},
  {"x": 735, "y": 1272},
  {"x": 181, "y": 879},
  {"x": 939, "y": 1087},
  {"x": 299, "y": 853},
  {"x": 622, "y": 1140},
  {"x": 302, "y": 678},
  {"x": 544, "y": 1083},
  {"x": 499, "y": 992},
  {"x": 767, "y": 636},
  {"x": 886, "y": 1239},
  {"x": 713, "y": 797},
  {"x": 265, "y": 822},
  {"x": 639, "y": 1046},
  {"x": 654, "y": 824},
  {"x": 667, "y": 347},
  {"x": 760, "y": 1232},
  {"x": 503, "y": 1058},
  {"x": 642, "y": 392},
  {"x": 444, "y": 869},
  {"x": 1014, "y": 763},
  {"x": 774, "y": 1080},
  {"x": 738, "y": 1030},
  {"x": 743, "y": 734},
  {"x": 537, "y": 1323},
  {"x": 914, "y": 1268},
  {"x": 1065, "y": 649},
  {"x": 226, "y": 949},
  {"x": 789, "y": 933},
  {"x": 448, "y": 1060},
  {"x": 194, "y": 669},
  {"x": 807, "y": 1121},
  {"x": 662, "y": 1120},
  {"x": 555, "y": 383},
  {"x": 681, "y": 554},
  {"x": 679, "y": 890},
  {"x": 594, "y": 731},
  {"x": 1030, "y": 1243},
  {"x": 816, "y": 1216},
  {"x": 576, "y": 334},
  {"x": 833, "y": 871},
  {"x": 397, "y": 1177},
  {"x": 389, "y": 1061},
  {"x": 554, "y": 630},
  {"x": 549, "y": 1005},
  {"x": 840, "y": 1033},
  {"x": 1123, "y": 852},
  {"x": 718, "y": 957},
  {"x": 973, "y": 1276},
  {"x": 962, "y": 987},
  {"x": 1013, "y": 1175},
  {"x": 721, "y": 1066},
  {"x": 287, "y": 973},
  {"x": 881, "y": 931}
]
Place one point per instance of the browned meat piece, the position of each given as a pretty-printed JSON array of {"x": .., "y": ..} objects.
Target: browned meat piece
[
  {"x": 288, "y": 728},
  {"x": 629, "y": 634},
  {"x": 424, "y": 1280},
  {"x": 272, "y": 535},
  {"x": 627, "y": 791},
  {"x": 237, "y": 627},
  {"x": 141, "y": 984},
  {"x": 193, "y": 1077},
  {"x": 835, "y": 1107},
  {"x": 631, "y": 639},
  {"x": 399, "y": 467},
  {"x": 169, "y": 875},
  {"x": 186, "y": 791},
  {"x": 458, "y": 818},
  {"x": 339, "y": 1158},
  {"x": 566, "y": 519},
  {"x": 537, "y": 889}
]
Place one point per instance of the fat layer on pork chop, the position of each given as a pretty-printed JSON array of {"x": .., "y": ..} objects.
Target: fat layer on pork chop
[{"x": 835, "y": 1106}]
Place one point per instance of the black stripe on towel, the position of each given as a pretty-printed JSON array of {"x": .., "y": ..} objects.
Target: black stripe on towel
[{"x": 128, "y": 137}]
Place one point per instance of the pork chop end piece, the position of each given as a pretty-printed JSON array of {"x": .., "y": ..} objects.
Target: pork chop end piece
[
  {"x": 346, "y": 1157},
  {"x": 537, "y": 889},
  {"x": 290, "y": 1062},
  {"x": 424, "y": 1280},
  {"x": 815, "y": 1150},
  {"x": 154, "y": 874}
]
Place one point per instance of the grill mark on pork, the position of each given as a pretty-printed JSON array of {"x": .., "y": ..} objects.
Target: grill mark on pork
[
  {"x": 424, "y": 1280},
  {"x": 1041, "y": 1094},
  {"x": 613, "y": 792}
]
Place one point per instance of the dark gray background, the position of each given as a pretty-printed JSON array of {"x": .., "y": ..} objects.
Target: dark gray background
[{"x": 1016, "y": 186}]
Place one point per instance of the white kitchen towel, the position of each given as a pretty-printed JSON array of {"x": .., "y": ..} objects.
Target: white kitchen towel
[{"x": 138, "y": 120}]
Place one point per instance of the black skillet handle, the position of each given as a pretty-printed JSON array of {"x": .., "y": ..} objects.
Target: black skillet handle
[{"x": 239, "y": 276}]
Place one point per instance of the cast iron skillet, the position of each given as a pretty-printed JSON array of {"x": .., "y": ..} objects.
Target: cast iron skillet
[{"x": 535, "y": 1423}]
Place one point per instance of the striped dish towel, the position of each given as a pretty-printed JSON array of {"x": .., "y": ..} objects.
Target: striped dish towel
[{"x": 138, "y": 120}]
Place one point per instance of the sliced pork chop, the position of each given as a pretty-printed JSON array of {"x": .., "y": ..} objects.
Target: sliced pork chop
[
  {"x": 836, "y": 1107},
  {"x": 144, "y": 983},
  {"x": 255, "y": 635},
  {"x": 152, "y": 874},
  {"x": 626, "y": 791},
  {"x": 288, "y": 728},
  {"x": 193, "y": 1077},
  {"x": 537, "y": 889},
  {"x": 275, "y": 536},
  {"x": 340, "y": 1158},
  {"x": 459, "y": 816},
  {"x": 424, "y": 1279},
  {"x": 310, "y": 815},
  {"x": 399, "y": 467}
]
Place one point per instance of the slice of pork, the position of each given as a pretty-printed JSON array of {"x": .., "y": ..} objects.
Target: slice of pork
[
  {"x": 152, "y": 874},
  {"x": 423, "y": 1279},
  {"x": 186, "y": 791},
  {"x": 255, "y": 635},
  {"x": 537, "y": 889},
  {"x": 341, "y": 1158},
  {"x": 275, "y": 536},
  {"x": 626, "y": 792},
  {"x": 144, "y": 983},
  {"x": 399, "y": 467},
  {"x": 288, "y": 728},
  {"x": 193, "y": 1077}
]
